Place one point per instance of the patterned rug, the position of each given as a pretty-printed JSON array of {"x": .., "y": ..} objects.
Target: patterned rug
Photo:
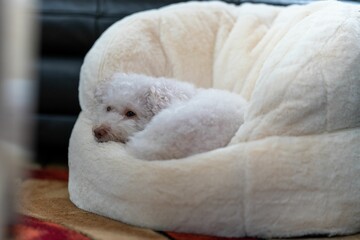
[{"x": 46, "y": 213}]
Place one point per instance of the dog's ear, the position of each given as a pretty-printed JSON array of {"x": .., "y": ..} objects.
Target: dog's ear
[
  {"x": 157, "y": 98},
  {"x": 100, "y": 91}
]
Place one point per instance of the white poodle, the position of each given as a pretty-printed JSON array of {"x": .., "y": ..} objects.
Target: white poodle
[{"x": 159, "y": 118}]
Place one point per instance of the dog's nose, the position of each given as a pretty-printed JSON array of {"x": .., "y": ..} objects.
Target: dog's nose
[{"x": 100, "y": 132}]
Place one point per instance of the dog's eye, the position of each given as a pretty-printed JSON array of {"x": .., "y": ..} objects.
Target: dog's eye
[
  {"x": 130, "y": 114},
  {"x": 108, "y": 109}
]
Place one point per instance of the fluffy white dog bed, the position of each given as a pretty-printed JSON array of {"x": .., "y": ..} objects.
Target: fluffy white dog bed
[{"x": 293, "y": 168}]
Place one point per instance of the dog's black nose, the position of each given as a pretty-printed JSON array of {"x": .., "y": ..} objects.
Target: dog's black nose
[{"x": 100, "y": 132}]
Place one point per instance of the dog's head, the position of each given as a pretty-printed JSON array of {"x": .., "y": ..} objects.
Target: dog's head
[{"x": 127, "y": 103}]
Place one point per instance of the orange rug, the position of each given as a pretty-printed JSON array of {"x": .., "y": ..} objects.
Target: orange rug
[{"x": 48, "y": 214}]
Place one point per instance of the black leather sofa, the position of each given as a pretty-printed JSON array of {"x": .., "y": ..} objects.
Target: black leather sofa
[{"x": 68, "y": 30}]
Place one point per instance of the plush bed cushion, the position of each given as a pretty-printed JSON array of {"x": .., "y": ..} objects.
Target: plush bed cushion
[{"x": 293, "y": 167}]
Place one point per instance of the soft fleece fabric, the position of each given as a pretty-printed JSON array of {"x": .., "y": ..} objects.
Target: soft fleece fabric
[{"x": 293, "y": 167}]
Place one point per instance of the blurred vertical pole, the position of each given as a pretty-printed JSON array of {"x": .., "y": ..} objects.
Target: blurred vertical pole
[{"x": 17, "y": 98}]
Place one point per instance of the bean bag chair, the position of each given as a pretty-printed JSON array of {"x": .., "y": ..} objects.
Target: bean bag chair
[{"x": 293, "y": 167}]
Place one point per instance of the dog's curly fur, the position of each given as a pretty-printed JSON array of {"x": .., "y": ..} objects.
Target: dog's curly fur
[{"x": 159, "y": 118}]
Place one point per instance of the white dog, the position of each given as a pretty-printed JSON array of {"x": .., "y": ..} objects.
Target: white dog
[{"x": 159, "y": 118}]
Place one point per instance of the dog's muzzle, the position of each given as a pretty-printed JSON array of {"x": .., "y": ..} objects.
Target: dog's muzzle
[{"x": 103, "y": 134}]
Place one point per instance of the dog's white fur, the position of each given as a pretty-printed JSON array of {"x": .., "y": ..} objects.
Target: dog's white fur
[{"x": 172, "y": 119}]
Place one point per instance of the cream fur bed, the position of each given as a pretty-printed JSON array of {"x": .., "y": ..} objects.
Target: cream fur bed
[{"x": 293, "y": 167}]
